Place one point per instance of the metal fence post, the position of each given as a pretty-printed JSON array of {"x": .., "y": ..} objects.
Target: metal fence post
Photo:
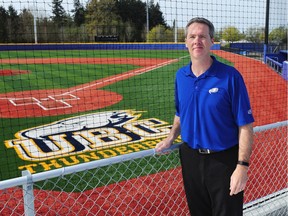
[{"x": 28, "y": 194}]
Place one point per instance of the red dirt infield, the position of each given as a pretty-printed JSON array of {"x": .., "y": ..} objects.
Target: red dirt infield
[{"x": 8, "y": 72}]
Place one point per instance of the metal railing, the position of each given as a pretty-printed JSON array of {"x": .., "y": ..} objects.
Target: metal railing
[{"x": 274, "y": 64}]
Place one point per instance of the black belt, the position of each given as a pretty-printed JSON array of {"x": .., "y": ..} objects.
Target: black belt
[
  {"x": 205, "y": 151},
  {"x": 209, "y": 151},
  {"x": 201, "y": 151}
]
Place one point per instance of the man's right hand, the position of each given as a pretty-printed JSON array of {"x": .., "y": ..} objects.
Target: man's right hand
[
  {"x": 164, "y": 144},
  {"x": 174, "y": 133}
]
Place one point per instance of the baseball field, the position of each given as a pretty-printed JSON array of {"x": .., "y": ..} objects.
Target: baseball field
[{"x": 46, "y": 95}]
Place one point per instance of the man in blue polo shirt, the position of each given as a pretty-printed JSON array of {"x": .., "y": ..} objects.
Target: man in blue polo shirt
[{"x": 214, "y": 118}]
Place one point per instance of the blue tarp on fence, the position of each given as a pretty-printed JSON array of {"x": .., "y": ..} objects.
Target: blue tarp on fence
[{"x": 253, "y": 47}]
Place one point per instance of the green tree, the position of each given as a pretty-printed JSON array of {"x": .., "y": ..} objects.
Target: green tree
[
  {"x": 181, "y": 34},
  {"x": 126, "y": 18},
  {"x": 101, "y": 17},
  {"x": 60, "y": 20},
  {"x": 58, "y": 12},
  {"x": 255, "y": 35},
  {"x": 14, "y": 25},
  {"x": 3, "y": 25},
  {"x": 46, "y": 30},
  {"x": 133, "y": 14},
  {"x": 278, "y": 35},
  {"x": 155, "y": 15},
  {"x": 217, "y": 36},
  {"x": 231, "y": 34},
  {"x": 79, "y": 13},
  {"x": 27, "y": 25},
  {"x": 160, "y": 34}
]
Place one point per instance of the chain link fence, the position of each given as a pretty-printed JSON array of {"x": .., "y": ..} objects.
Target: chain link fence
[
  {"x": 79, "y": 119},
  {"x": 145, "y": 183}
]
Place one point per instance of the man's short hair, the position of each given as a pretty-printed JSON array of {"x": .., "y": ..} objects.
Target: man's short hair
[{"x": 203, "y": 21}]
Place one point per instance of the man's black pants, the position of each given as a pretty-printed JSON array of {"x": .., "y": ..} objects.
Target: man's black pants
[{"x": 206, "y": 180}]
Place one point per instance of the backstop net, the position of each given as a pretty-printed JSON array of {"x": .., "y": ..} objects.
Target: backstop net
[{"x": 87, "y": 91}]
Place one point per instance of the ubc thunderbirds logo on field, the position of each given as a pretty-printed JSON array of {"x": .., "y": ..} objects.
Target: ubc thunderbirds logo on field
[{"x": 88, "y": 133}]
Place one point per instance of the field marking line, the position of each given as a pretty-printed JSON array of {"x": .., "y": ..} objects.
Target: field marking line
[{"x": 115, "y": 78}]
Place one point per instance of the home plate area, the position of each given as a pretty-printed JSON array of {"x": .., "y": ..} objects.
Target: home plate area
[
  {"x": 48, "y": 103},
  {"x": 39, "y": 103}
]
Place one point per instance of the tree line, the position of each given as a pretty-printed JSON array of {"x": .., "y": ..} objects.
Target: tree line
[{"x": 126, "y": 19}]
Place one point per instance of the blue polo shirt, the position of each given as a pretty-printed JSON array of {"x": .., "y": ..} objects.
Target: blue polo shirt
[{"x": 212, "y": 106}]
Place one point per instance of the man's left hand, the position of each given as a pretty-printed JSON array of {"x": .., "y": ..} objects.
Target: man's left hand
[{"x": 238, "y": 180}]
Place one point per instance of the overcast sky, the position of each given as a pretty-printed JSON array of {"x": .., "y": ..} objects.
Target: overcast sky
[{"x": 239, "y": 13}]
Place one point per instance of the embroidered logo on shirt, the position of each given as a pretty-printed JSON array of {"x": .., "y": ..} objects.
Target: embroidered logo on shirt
[
  {"x": 213, "y": 90},
  {"x": 249, "y": 111}
]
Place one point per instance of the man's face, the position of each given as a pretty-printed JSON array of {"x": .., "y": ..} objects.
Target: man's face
[{"x": 198, "y": 40}]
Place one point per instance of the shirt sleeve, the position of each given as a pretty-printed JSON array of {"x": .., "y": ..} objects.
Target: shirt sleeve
[
  {"x": 176, "y": 99},
  {"x": 241, "y": 107}
]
